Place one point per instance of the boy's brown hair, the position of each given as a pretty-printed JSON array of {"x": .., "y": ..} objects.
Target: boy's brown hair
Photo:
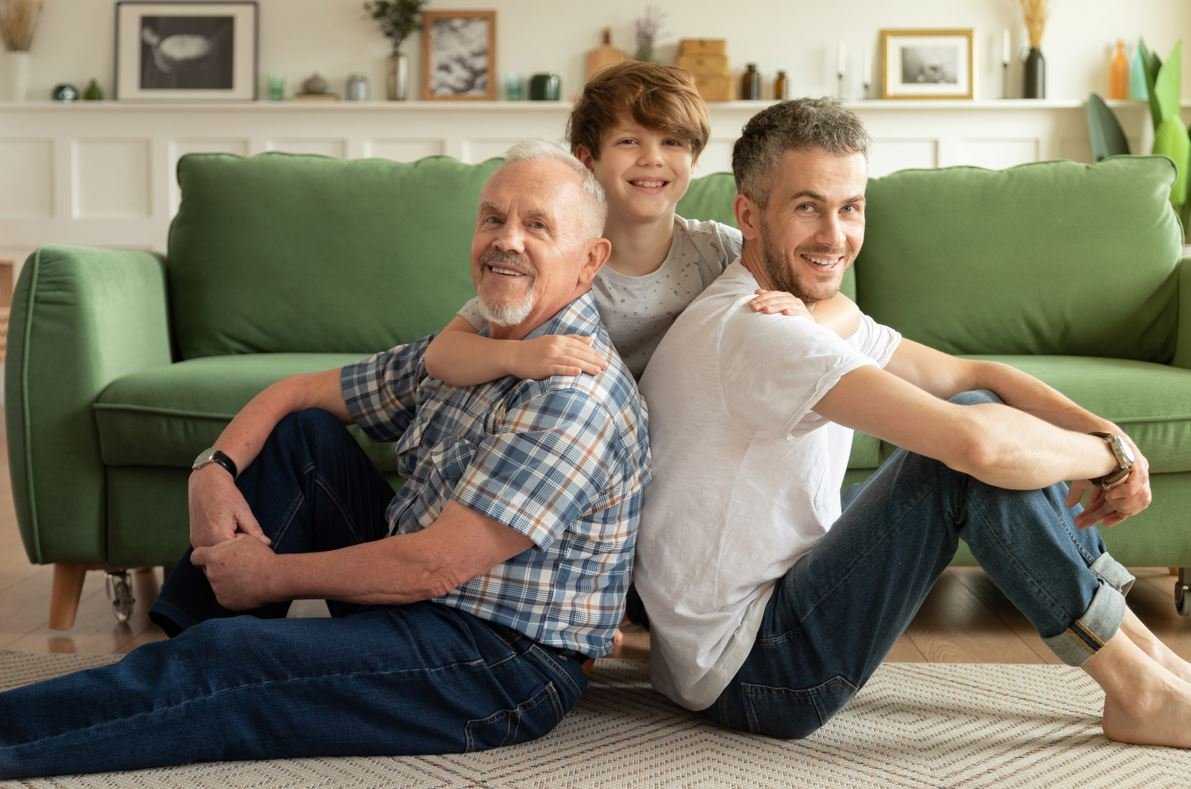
[{"x": 662, "y": 98}]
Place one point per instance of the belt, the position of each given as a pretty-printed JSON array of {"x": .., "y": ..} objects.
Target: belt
[{"x": 570, "y": 654}]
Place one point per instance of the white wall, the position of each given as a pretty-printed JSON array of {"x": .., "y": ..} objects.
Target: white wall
[{"x": 298, "y": 37}]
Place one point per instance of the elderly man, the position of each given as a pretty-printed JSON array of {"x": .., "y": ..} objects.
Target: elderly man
[
  {"x": 463, "y": 606},
  {"x": 769, "y": 604}
]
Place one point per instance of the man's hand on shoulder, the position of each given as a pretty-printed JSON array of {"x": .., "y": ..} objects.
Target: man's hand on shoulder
[
  {"x": 218, "y": 510},
  {"x": 239, "y": 571},
  {"x": 1110, "y": 507}
]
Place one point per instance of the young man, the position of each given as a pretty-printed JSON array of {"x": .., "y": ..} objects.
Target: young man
[
  {"x": 463, "y": 605},
  {"x": 770, "y": 605}
]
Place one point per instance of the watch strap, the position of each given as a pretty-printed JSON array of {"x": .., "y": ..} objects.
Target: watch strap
[{"x": 218, "y": 457}]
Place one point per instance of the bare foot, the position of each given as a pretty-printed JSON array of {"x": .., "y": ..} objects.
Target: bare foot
[{"x": 1159, "y": 714}]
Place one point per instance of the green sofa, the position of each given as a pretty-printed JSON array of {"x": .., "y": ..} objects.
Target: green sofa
[{"x": 123, "y": 365}]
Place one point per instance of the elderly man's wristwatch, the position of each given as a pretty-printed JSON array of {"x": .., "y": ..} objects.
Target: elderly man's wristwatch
[
  {"x": 217, "y": 456},
  {"x": 1123, "y": 453}
]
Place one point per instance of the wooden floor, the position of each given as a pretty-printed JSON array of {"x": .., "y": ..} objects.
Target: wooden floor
[{"x": 964, "y": 620}]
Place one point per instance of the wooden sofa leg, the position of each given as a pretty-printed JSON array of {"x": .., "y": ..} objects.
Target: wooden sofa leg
[{"x": 64, "y": 599}]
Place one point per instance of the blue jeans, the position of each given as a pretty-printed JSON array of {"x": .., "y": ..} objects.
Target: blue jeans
[
  {"x": 835, "y": 615},
  {"x": 412, "y": 679}
]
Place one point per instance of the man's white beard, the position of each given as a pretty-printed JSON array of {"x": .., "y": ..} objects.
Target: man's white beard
[{"x": 506, "y": 314}]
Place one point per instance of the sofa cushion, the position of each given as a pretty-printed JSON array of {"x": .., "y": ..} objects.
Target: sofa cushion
[
  {"x": 1047, "y": 258},
  {"x": 1150, "y": 402},
  {"x": 353, "y": 255},
  {"x": 164, "y": 416}
]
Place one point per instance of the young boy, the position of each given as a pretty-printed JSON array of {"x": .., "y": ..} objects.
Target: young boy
[{"x": 640, "y": 127}]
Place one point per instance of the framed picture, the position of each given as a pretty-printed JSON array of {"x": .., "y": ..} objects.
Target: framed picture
[
  {"x": 926, "y": 64},
  {"x": 458, "y": 55},
  {"x": 186, "y": 51}
]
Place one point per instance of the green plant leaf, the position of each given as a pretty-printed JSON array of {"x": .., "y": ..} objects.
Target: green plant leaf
[
  {"x": 1152, "y": 64},
  {"x": 1186, "y": 217},
  {"x": 1104, "y": 130},
  {"x": 1171, "y": 140},
  {"x": 1168, "y": 85}
]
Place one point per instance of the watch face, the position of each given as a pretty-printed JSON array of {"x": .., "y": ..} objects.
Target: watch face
[{"x": 1123, "y": 451}]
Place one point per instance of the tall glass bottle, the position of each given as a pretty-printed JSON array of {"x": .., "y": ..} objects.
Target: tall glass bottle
[
  {"x": 781, "y": 87},
  {"x": 1118, "y": 73},
  {"x": 750, "y": 83}
]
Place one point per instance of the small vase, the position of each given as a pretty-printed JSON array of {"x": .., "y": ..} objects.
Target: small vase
[
  {"x": 1035, "y": 75},
  {"x": 15, "y": 69},
  {"x": 397, "y": 76}
]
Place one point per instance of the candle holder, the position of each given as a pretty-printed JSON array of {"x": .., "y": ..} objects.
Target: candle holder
[
  {"x": 1004, "y": 79},
  {"x": 839, "y": 85}
]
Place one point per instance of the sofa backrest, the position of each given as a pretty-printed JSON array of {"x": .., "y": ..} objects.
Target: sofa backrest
[
  {"x": 295, "y": 253},
  {"x": 1047, "y": 258}
]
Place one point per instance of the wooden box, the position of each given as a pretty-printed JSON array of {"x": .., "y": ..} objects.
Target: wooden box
[
  {"x": 707, "y": 61},
  {"x": 703, "y": 46}
]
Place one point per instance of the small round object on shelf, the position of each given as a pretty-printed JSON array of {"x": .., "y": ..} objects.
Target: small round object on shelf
[{"x": 65, "y": 92}]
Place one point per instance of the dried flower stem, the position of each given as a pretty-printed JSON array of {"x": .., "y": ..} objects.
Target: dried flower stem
[
  {"x": 1035, "y": 12},
  {"x": 18, "y": 20}
]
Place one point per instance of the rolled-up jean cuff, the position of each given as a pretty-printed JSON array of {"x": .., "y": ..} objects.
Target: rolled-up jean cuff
[
  {"x": 1091, "y": 631},
  {"x": 1113, "y": 573}
]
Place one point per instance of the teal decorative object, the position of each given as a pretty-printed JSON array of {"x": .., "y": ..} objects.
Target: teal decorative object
[
  {"x": 1137, "y": 75},
  {"x": 1104, "y": 130},
  {"x": 65, "y": 92}
]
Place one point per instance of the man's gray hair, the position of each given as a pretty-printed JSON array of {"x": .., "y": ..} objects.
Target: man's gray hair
[
  {"x": 596, "y": 211},
  {"x": 798, "y": 125}
]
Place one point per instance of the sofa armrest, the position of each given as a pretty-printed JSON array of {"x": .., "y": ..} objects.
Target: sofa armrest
[
  {"x": 80, "y": 319},
  {"x": 1182, "y": 347}
]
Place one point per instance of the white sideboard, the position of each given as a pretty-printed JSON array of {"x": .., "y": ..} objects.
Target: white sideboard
[{"x": 103, "y": 173}]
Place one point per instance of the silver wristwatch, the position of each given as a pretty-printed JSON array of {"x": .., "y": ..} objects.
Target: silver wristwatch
[
  {"x": 217, "y": 456},
  {"x": 1125, "y": 458}
]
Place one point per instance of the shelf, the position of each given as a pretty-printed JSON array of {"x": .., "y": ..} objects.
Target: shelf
[{"x": 867, "y": 105}]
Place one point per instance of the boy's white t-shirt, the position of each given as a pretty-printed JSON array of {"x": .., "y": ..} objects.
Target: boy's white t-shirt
[
  {"x": 637, "y": 311},
  {"x": 746, "y": 475}
]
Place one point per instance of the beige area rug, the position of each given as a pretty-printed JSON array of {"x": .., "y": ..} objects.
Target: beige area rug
[{"x": 913, "y": 725}]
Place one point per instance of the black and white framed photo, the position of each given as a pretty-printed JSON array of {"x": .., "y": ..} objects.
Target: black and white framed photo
[
  {"x": 186, "y": 51},
  {"x": 458, "y": 55},
  {"x": 926, "y": 64}
]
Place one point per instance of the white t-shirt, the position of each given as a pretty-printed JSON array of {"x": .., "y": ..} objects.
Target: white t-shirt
[
  {"x": 746, "y": 476},
  {"x": 637, "y": 311}
]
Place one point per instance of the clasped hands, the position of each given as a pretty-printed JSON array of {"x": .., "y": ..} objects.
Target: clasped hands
[
  {"x": 1110, "y": 507},
  {"x": 229, "y": 545}
]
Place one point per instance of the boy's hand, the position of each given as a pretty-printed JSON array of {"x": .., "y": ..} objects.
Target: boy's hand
[
  {"x": 773, "y": 301},
  {"x": 557, "y": 354}
]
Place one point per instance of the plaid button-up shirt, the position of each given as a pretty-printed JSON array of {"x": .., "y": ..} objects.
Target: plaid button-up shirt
[{"x": 563, "y": 461}]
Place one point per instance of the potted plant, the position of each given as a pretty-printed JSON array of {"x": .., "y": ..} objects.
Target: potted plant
[{"x": 398, "y": 19}]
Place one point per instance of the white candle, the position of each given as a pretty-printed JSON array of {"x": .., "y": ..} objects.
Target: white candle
[
  {"x": 866, "y": 72},
  {"x": 842, "y": 60},
  {"x": 1005, "y": 48}
]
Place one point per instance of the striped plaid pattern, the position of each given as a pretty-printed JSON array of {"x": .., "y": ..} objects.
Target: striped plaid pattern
[{"x": 563, "y": 461}]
